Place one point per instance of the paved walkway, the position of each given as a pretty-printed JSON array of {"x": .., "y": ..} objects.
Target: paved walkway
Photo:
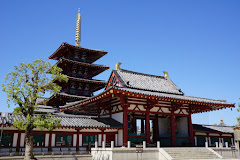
[{"x": 52, "y": 157}]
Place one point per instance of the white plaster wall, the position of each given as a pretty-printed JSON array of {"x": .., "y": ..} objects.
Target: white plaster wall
[
  {"x": 74, "y": 140},
  {"x": 80, "y": 140},
  {"x": 15, "y": 137},
  {"x": 65, "y": 129},
  {"x": 132, "y": 106},
  {"x": 163, "y": 124},
  {"x": 90, "y": 130},
  {"x": 46, "y": 139},
  {"x": 120, "y": 137},
  {"x": 227, "y": 135},
  {"x": 104, "y": 137},
  {"x": 200, "y": 133},
  {"x": 154, "y": 109},
  {"x": 141, "y": 108},
  {"x": 212, "y": 134},
  {"x": 105, "y": 116},
  {"x": 118, "y": 117},
  {"x": 110, "y": 130},
  {"x": 53, "y": 139},
  {"x": 116, "y": 139},
  {"x": 22, "y": 139},
  {"x": 100, "y": 140},
  {"x": 183, "y": 126},
  {"x": 165, "y": 110}
]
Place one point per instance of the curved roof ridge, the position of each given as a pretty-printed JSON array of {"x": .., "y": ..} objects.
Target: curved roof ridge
[
  {"x": 141, "y": 73},
  {"x": 147, "y": 82}
]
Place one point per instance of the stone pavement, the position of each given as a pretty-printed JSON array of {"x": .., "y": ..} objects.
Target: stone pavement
[{"x": 51, "y": 157}]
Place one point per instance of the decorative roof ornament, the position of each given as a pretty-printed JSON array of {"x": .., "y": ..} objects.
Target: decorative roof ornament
[
  {"x": 221, "y": 121},
  {"x": 166, "y": 74},
  {"x": 78, "y": 29},
  {"x": 117, "y": 66}
]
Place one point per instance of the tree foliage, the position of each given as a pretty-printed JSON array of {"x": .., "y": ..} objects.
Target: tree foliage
[{"x": 24, "y": 85}]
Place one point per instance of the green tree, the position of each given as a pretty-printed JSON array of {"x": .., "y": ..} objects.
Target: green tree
[{"x": 23, "y": 86}]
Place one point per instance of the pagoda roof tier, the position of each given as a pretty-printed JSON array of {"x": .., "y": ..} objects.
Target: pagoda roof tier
[
  {"x": 99, "y": 82},
  {"x": 94, "y": 68},
  {"x": 95, "y": 84},
  {"x": 196, "y": 104},
  {"x": 65, "y": 48},
  {"x": 62, "y": 98}
]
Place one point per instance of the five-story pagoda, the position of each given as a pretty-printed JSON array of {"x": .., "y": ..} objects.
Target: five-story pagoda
[{"x": 77, "y": 63}]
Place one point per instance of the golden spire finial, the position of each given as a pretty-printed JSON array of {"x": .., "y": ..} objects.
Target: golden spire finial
[
  {"x": 166, "y": 74},
  {"x": 117, "y": 65},
  {"x": 78, "y": 29},
  {"x": 221, "y": 120}
]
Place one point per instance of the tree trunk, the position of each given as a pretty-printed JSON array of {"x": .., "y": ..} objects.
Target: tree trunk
[{"x": 29, "y": 143}]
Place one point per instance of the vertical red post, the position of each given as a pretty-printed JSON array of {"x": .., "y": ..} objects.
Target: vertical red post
[
  {"x": 173, "y": 130},
  {"x": 148, "y": 126},
  {"x": 50, "y": 142},
  {"x": 142, "y": 126},
  {"x": 125, "y": 126},
  {"x": 190, "y": 129},
  {"x": 18, "y": 141},
  {"x": 77, "y": 144},
  {"x": 156, "y": 130}
]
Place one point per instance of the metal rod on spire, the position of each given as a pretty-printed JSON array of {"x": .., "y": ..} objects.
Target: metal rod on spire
[{"x": 78, "y": 29}]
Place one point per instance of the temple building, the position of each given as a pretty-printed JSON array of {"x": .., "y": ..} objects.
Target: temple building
[
  {"x": 155, "y": 102},
  {"x": 133, "y": 107}
]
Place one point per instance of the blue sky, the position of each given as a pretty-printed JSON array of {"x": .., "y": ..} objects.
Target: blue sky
[{"x": 197, "y": 42}]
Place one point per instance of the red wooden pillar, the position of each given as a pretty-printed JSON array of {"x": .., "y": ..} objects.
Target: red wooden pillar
[
  {"x": 125, "y": 126},
  {"x": 134, "y": 124},
  {"x": 156, "y": 130},
  {"x": 148, "y": 126},
  {"x": 77, "y": 144},
  {"x": 190, "y": 129},
  {"x": 142, "y": 126},
  {"x": 50, "y": 142},
  {"x": 18, "y": 141},
  {"x": 173, "y": 130},
  {"x": 103, "y": 136}
]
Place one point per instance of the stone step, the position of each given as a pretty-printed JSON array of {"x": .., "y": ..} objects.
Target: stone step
[{"x": 190, "y": 153}]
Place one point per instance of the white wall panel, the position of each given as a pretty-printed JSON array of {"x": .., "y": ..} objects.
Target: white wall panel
[
  {"x": 15, "y": 138},
  {"x": 46, "y": 139},
  {"x": 118, "y": 117}
]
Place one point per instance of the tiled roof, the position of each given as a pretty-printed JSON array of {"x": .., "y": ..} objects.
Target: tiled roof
[
  {"x": 181, "y": 97},
  {"x": 199, "y": 127},
  {"x": 213, "y": 128},
  {"x": 68, "y": 120},
  {"x": 87, "y": 80},
  {"x": 93, "y": 53},
  {"x": 55, "y": 98},
  {"x": 225, "y": 129},
  {"x": 45, "y": 109},
  {"x": 147, "y": 82},
  {"x": 82, "y": 63},
  {"x": 96, "y": 69}
]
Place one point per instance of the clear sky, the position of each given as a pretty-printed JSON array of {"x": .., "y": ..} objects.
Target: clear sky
[{"x": 196, "y": 41}]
